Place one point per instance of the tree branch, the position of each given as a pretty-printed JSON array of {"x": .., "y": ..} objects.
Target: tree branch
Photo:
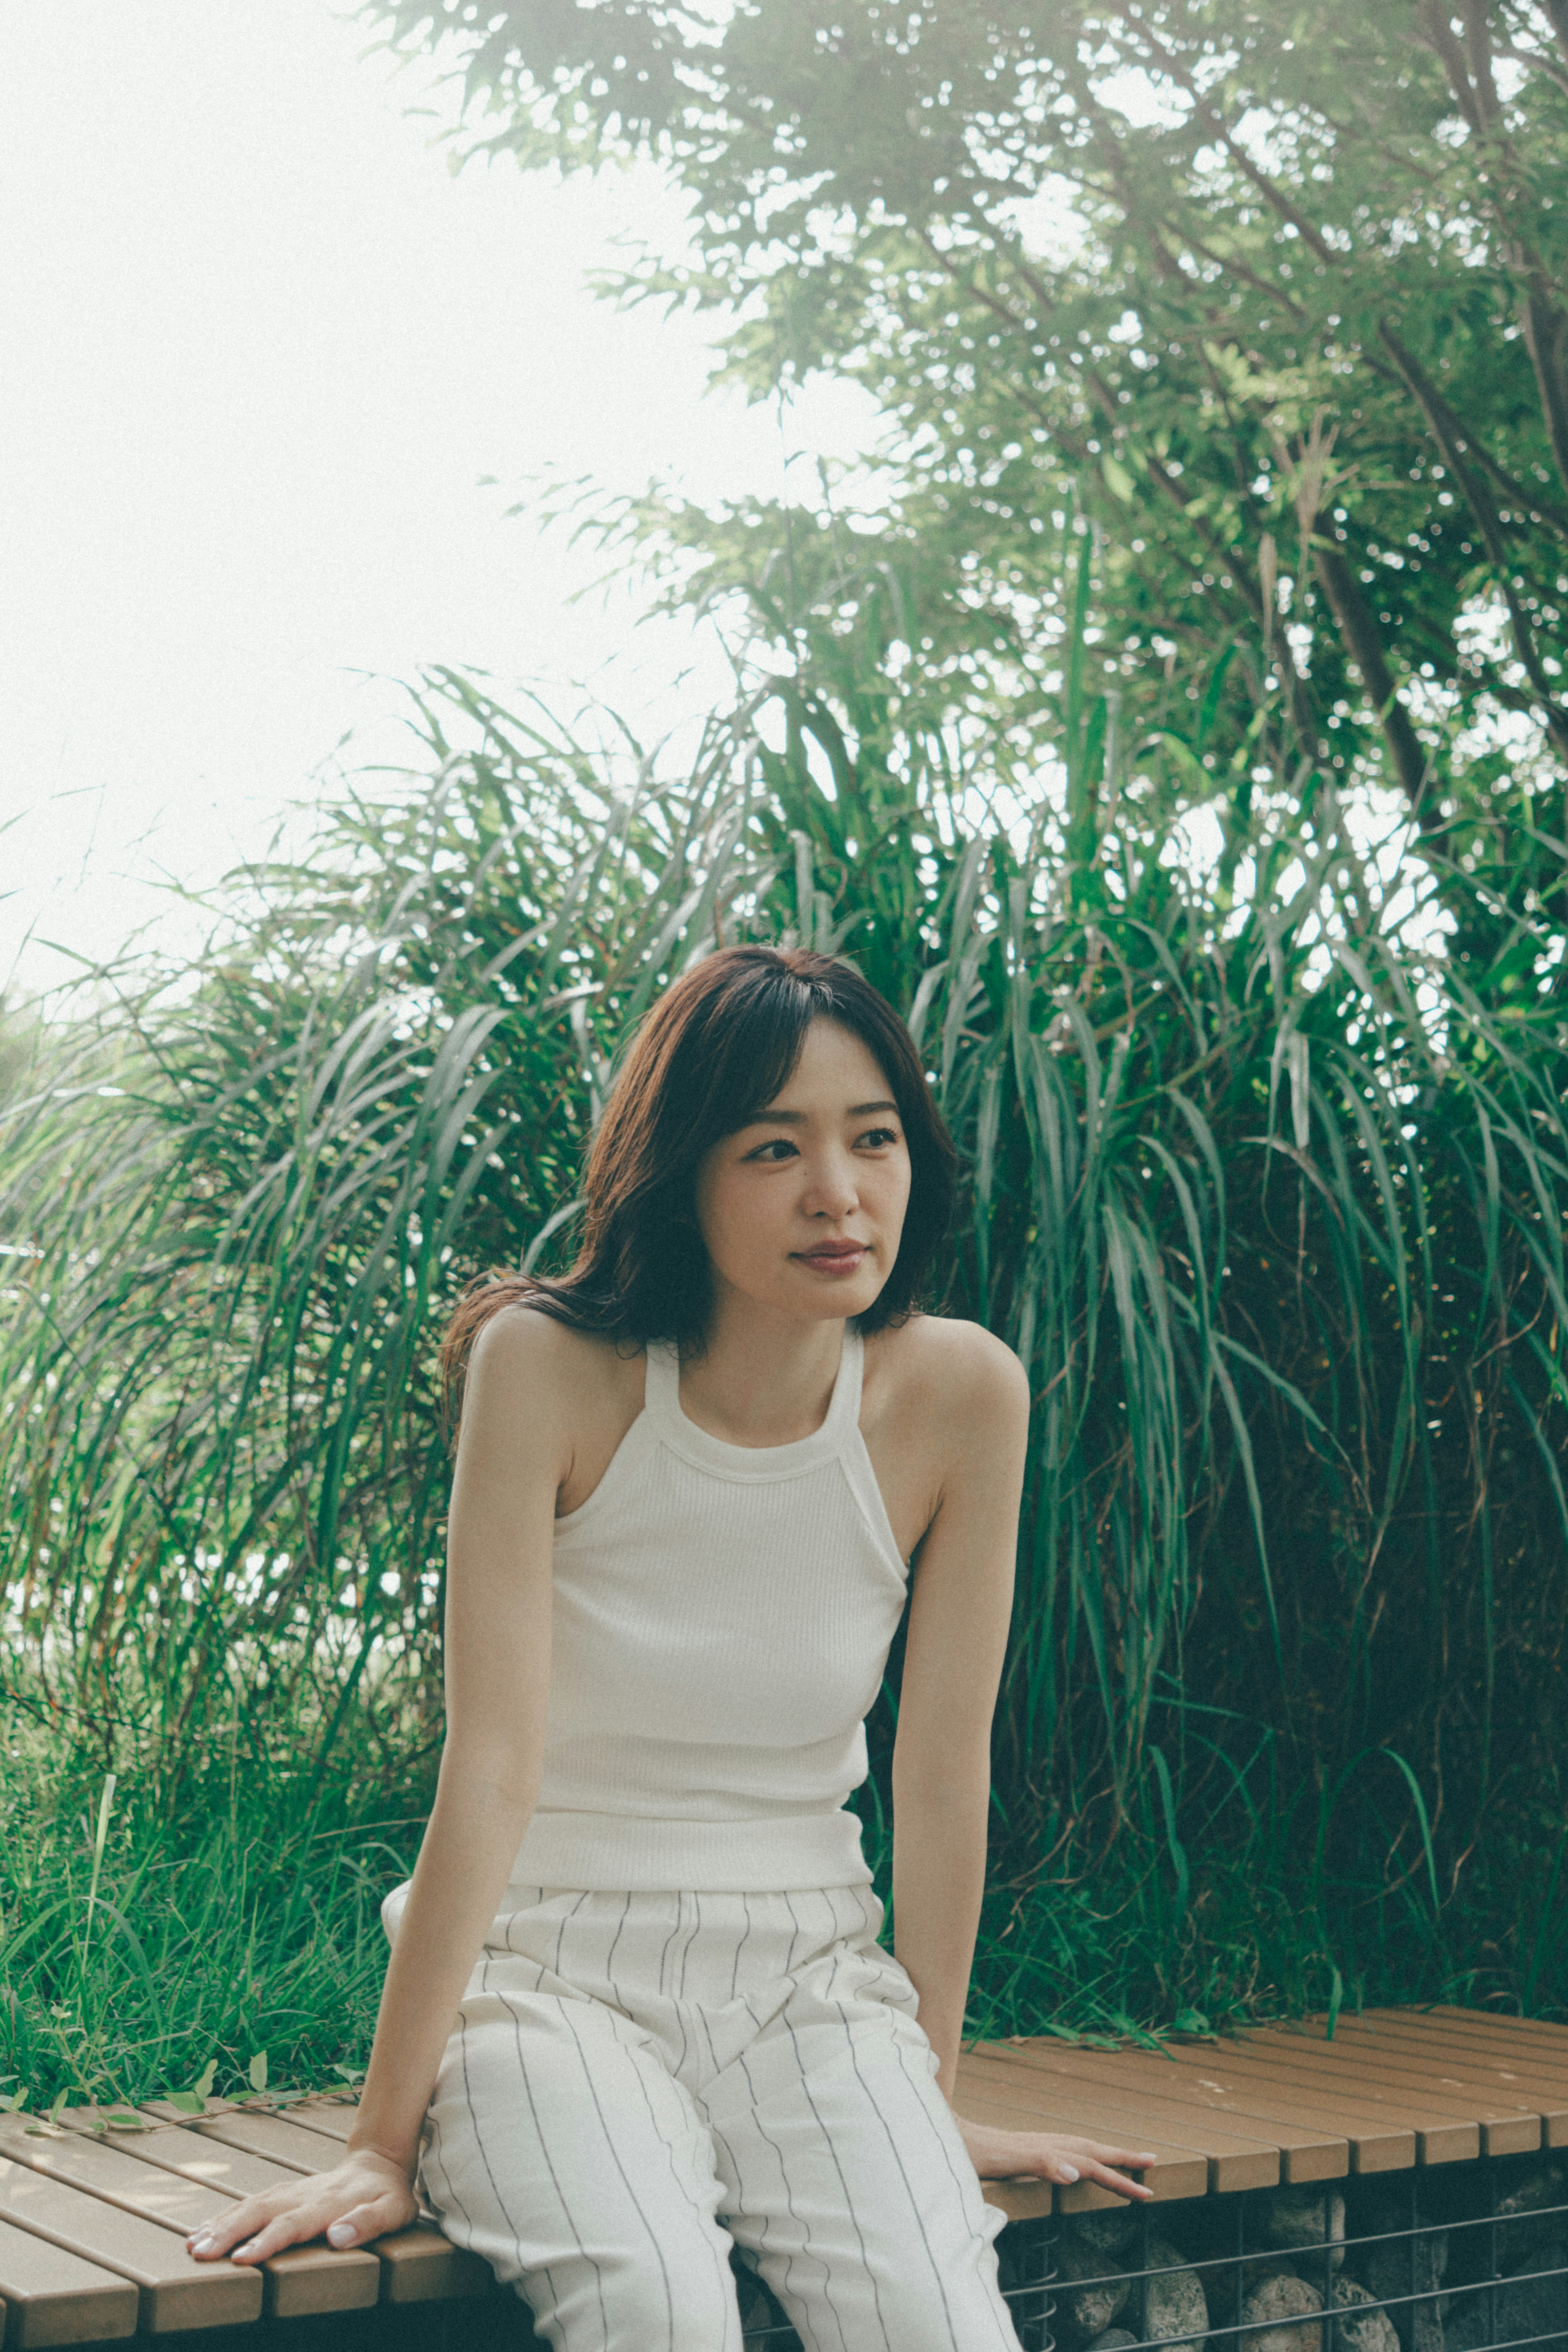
[
  {"x": 1545, "y": 325},
  {"x": 1438, "y": 36},
  {"x": 1454, "y": 443},
  {"x": 1478, "y": 58},
  {"x": 1363, "y": 643},
  {"x": 1234, "y": 268},
  {"x": 1265, "y": 186}
]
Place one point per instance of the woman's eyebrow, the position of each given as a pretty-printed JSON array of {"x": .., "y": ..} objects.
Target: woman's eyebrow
[{"x": 799, "y": 1117}]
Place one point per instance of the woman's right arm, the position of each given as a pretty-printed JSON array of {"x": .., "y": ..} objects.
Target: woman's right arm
[{"x": 514, "y": 1451}]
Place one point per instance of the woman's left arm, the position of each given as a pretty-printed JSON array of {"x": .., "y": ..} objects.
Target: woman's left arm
[{"x": 958, "y": 1620}]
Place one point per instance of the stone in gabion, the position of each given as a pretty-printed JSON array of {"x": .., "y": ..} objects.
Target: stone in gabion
[
  {"x": 1275, "y": 2310},
  {"x": 1106, "y": 2233},
  {"x": 1115, "y": 2339},
  {"x": 1533, "y": 2305},
  {"x": 1526, "y": 2304},
  {"x": 1521, "y": 2228},
  {"x": 1385, "y": 2210},
  {"x": 1178, "y": 2307},
  {"x": 1411, "y": 2266},
  {"x": 1295, "y": 2220},
  {"x": 1087, "y": 2311},
  {"x": 1361, "y": 2327}
]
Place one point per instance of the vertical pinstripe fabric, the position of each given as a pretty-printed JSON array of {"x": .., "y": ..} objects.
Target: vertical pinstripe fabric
[{"x": 635, "y": 2080}]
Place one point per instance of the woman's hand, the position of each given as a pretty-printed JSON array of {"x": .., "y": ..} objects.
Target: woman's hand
[
  {"x": 1051, "y": 2155},
  {"x": 362, "y": 2198}
]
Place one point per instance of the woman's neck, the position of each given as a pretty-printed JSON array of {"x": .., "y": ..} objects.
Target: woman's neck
[{"x": 763, "y": 1378}]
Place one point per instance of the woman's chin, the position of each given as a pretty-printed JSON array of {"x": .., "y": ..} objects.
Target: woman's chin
[{"x": 836, "y": 1300}]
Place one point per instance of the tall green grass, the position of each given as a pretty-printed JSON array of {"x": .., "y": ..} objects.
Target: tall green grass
[
  {"x": 139, "y": 1951},
  {"x": 1266, "y": 1187}
]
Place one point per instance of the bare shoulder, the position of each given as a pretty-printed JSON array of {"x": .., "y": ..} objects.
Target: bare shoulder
[
  {"x": 525, "y": 1357},
  {"x": 956, "y": 1371}
]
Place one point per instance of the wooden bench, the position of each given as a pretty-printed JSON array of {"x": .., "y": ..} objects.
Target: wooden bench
[{"x": 92, "y": 2220}]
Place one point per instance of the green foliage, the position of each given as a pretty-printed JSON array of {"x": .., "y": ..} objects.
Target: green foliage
[
  {"x": 240, "y": 1206},
  {"x": 1267, "y": 1193},
  {"x": 204, "y": 1949},
  {"x": 237, "y": 1946},
  {"x": 1277, "y": 293},
  {"x": 1246, "y": 495}
]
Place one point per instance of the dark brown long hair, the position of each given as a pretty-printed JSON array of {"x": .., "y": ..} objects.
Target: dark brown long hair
[{"x": 715, "y": 1049}]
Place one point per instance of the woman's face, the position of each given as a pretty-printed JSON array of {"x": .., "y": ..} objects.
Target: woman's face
[{"x": 802, "y": 1209}]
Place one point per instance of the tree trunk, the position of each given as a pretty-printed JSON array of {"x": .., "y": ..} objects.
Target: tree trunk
[{"x": 1364, "y": 645}]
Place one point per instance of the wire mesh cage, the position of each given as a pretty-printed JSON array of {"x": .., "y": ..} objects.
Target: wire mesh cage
[{"x": 1469, "y": 2257}]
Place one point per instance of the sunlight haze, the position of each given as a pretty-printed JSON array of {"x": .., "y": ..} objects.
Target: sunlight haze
[{"x": 265, "y": 350}]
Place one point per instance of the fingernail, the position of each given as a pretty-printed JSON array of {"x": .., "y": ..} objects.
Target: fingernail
[
  {"x": 342, "y": 2233},
  {"x": 202, "y": 2245},
  {"x": 1069, "y": 2172}
]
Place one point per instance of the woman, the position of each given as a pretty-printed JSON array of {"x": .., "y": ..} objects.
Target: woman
[{"x": 690, "y": 1477}]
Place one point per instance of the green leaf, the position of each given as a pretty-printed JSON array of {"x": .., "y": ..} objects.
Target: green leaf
[
  {"x": 257, "y": 2071},
  {"x": 193, "y": 2100}
]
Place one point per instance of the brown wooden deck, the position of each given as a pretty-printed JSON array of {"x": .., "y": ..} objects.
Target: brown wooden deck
[
  {"x": 93, "y": 2222},
  {"x": 1394, "y": 2089}
]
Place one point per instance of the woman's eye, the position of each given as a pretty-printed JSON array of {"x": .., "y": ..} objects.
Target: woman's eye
[
  {"x": 779, "y": 1148},
  {"x": 878, "y": 1138}
]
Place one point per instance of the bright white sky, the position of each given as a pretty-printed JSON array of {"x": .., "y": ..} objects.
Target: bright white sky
[{"x": 261, "y": 349}]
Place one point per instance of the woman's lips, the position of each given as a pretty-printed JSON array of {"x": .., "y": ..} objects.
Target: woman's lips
[{"x": 835, "y": 1258}]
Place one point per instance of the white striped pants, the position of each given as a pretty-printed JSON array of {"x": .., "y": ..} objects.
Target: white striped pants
[{"x": 635, "y": 2081}]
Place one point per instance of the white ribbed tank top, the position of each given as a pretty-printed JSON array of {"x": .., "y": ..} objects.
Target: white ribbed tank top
[{"x": 722, "y": 1619}]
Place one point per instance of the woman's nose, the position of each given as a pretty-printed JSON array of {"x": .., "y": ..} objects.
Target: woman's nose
[{"x": 833, "y": 1190}]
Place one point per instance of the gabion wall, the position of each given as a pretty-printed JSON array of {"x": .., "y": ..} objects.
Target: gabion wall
[{"x": 1452, "y": 2258}]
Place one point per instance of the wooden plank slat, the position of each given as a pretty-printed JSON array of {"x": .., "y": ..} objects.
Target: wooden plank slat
[
  {"x": 162, "y": 2197},
  {"x": 1528, "y": 2029},
  {"x": 49, "y": 2296},
  {"x": 333, "y": 2117},
  {"x": 191, "y": 2154},
  {"x": 1475, "y": 2044},
  {"x": 272, "y": 2136},
  {"x": 1506, "y": 2127},
  {"x": 1518, "y": 2073},
  {"x": 1440, "y": 2138},
  {"x": 1187, "y": 2105},
  {"x": 1467, "y": 2029},
  {"x": 174, "y": 2291},
  {"x": 301, "y": 2282},
  {"x": 1234, "y": 2162},
  {"x": 418, "y": 2264},
  {"x": 1546, "y": 2046},
  {"x": 1511, "y": 2078},
  {"x": 1374, "y": 2143},
  {"x": 1030, "y": 2200}
]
